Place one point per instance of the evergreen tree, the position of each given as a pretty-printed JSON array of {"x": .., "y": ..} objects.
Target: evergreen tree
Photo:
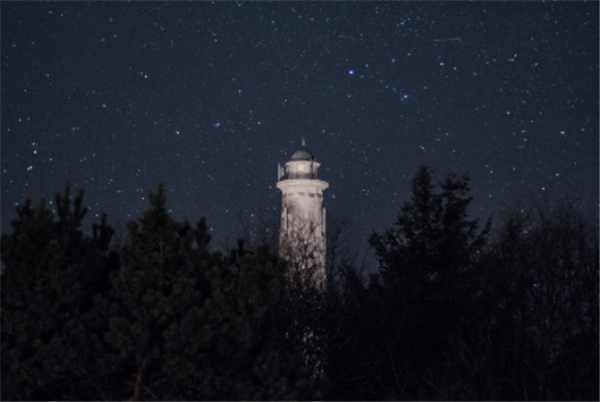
[
  {"x": 158, "y": 286},
  {"x": 51, "y": 272},
  {"x": 188, "y": 323},
  {"x": 428, "y": 271}
]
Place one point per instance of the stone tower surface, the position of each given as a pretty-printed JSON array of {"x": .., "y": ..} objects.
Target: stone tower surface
[{"x": 302, "y": 233}]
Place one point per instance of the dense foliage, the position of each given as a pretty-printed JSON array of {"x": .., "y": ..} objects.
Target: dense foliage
[
  {"x": 456, "y": 310},
  {"x": 460, "y": 312},
  {"x": 160, "y": 316}
]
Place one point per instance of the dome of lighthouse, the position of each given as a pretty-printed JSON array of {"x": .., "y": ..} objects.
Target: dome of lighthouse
[{"x": 303, "y": 154}]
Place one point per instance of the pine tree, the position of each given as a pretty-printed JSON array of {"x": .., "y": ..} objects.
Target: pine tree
[
  {"x": 52, "y": 271},
  {"x": 189, "y": 323},
  {"x": 154, "y": 288}
]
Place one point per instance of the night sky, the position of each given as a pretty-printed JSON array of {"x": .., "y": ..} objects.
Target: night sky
[{"x": 208, "y": 98}]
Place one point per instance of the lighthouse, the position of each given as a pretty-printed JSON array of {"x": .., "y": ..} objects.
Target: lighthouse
[{"x": 302, "y": 233}]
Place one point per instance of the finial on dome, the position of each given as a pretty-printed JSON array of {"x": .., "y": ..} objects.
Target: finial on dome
[{"x": 303, "y": 141}]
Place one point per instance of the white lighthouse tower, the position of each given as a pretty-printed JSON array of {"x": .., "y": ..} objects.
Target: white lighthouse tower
[{"x": 302, "y": 234}]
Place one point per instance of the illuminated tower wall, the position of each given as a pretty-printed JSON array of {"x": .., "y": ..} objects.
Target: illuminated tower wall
[{"x": 302, "y": 233}]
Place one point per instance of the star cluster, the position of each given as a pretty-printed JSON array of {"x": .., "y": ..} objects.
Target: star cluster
[{"x": 116, "y": 97}]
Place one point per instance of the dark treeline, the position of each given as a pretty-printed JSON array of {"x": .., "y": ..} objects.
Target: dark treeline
[{"x": 455, "y": 311}]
